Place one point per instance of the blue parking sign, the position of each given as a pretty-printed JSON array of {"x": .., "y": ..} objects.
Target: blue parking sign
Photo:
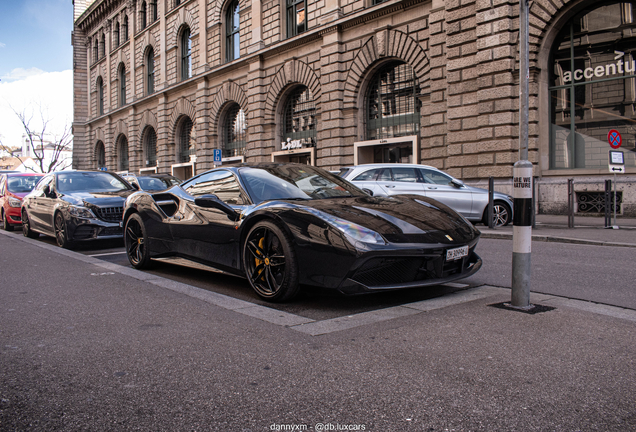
[{"x": 217, "y": 156}]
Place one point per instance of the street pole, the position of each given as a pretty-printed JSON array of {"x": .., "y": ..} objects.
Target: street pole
[{"x": 522, "y": 179}]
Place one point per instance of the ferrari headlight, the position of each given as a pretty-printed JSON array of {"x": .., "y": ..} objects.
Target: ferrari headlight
[
  {"x": 14, "y": 202},
  {"x": 82, "y": 212},
  {"x": 353, "y": 231}
]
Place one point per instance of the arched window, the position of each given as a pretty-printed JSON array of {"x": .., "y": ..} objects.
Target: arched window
[
  {"x": 100, "y": 96},
  {"x": 122, "y": 153},
  {"x": 122, "y": 85},
  {"x": 232, "y": 37},
  {"x": 392, "y": 106},
  {"x": 154, "y": 13},
  {"x": 100, "y": 155},
  {"x": 296, "y": 17},
  {"x": 116, "y": 34},
  {"x": 150, "y": 71},
  {"x": 185, "y": 145},
  {"x": 186, "y": 54},
  {"x": 142, "y": 15},
  {"x": 125, "y": 28},
  {"x": 102, "y": 46},
  {"x": 300, "y": 117},
  {"x": 150, "y": 147},
  {"x": 592, "y": 86},
  {"x": 96, "y": 50},
  {"x": 234, "y": 132}
]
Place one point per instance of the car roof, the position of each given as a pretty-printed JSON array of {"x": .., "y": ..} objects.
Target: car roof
[{"x": 389, "y": 165}]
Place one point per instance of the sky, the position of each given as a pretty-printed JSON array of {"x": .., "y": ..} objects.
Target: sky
[{"x": 36, "y": 62}]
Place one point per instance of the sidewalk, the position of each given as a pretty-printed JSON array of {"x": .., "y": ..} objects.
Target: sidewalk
[{"x": 587, "y": 230}]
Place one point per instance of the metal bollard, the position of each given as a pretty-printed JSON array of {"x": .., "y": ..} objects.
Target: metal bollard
[
  {"x": 608, "y": 203},
  {"x": 491, "y": 201},
  {"x": 570, "y": 203}
]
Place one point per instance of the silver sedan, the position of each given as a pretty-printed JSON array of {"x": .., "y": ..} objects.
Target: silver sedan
[{"x": 394, "y": 179}]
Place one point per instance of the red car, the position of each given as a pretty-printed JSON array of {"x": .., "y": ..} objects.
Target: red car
[{"x": 13, "y": 187}]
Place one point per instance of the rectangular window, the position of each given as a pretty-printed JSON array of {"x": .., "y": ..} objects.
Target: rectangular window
[{"x": 296, "y": 17}]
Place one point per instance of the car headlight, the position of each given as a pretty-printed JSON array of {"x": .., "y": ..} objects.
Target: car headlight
[
  {"x": 353, "y": 231},
  {"x": 15, "y": 202},
  {"x": 82, "y": 212}
]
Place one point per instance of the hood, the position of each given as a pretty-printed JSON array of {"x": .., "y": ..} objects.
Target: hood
[
  {"x": 401, "y": 219},
  {"x": 98, "y": 199},
  {"x": 19, "y": 195}
]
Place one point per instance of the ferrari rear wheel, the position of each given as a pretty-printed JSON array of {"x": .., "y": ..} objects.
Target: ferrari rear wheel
[
  {"x": 26, "y": 227},
  {"x": 5, "y": 223},
  {"x": 61, "y": 233},
  {"x": 136, "y": 242},
  {"x": 270, "y": 263}
]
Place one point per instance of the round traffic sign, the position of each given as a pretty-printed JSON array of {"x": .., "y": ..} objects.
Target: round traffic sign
[{"x": 614, "y": 138}]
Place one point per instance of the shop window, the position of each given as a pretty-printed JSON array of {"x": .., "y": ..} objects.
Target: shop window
[
  {"x": 296, "y": 17},
  {"x": 232, "y": 37},
  {"x": 122, "y": 154},
  {"x": 392, "y": 105},
  {"x": 185, "y": 144},
  {"x": 300, "y": 118},
  {"x": 234, "y": 132},
  {"x": 150, "y": 147},
  {"x": 592, "y": 87}
]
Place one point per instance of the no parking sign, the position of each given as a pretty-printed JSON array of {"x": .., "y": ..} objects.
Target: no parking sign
[{"x": 614, "y": 138}]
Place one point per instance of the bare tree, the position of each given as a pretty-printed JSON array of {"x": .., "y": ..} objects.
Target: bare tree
[{"x": 45, "y": 149}]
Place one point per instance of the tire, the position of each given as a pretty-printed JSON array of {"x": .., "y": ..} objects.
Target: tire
[
  {"x": 26, "y": 227},
  {"x": 136, "y": 242},
  {"x": 5, "y": 223},
  {"x": 501, "y": 213},
  {"x": 270, "y": 262},
  {"x": 61, "y": 232}
]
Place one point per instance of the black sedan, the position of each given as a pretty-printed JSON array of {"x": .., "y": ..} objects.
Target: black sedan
[
  {"x": 283, "y": 225},
  {"x": 76, "y": 206}
]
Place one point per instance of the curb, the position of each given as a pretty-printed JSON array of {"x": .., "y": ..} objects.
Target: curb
[{"x": 556, "y": 239}]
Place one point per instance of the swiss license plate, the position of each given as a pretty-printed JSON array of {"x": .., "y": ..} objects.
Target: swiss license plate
[{"x": 457, "y": 253}]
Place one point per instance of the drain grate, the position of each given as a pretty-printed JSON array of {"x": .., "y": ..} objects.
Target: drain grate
[{"x": 533, "y": 309}]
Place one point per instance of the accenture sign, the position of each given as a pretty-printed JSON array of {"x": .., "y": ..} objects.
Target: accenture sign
[{"x": 619, "y": 68}]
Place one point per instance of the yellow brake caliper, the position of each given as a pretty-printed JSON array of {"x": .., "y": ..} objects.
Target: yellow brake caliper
[{"x": 261, "y": 244}]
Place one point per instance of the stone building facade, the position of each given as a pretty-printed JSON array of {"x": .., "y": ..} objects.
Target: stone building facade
[{"x": 160, "y": 84}]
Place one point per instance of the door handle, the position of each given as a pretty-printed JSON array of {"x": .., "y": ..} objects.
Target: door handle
[
  {"x": 430, "y": 187},
  {"x": 389, "y": 186}
]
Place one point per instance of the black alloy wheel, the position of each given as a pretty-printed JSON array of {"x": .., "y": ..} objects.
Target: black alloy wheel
[
  {"x": 26, "y": 226},
  {"x": 5, "y": 223},
  {"x": 501, "y": 214},
  {"x": 136, "y": 242},
  {"x": 270, "y": 263},
  {"x": 61, "y": 233}
]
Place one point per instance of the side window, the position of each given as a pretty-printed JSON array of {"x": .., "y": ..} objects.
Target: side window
[
  {"x": 436, "y": 177},
  {"x": 220, "y": 183},
  {"x": 45, "y": 181},
  {"x": 385, "y": 175},
  {"x": 2, "y": 185},
  {"x": 404, "y": 175},
  {"x": 367, "y": 175}
]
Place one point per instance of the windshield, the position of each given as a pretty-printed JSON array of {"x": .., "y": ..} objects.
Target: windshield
[
  {"x": 295, "y": 181},
  {"x": 89, "y": 182},
  {"x": 20, "y": 184}
]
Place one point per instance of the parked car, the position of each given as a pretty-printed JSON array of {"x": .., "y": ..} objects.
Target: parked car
[
  {"x": 283, "y": 225},
  {"x": 394, "y": 179},
  {"x": 13, "y": 187},
  {"x": 152, "y": 182},
  {"x": 76, "y": 206}
]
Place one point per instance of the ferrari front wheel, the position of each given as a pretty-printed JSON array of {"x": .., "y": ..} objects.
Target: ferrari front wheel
[
  {"x": 270, "y": 263},
  {"x": 136, "y": 242}
]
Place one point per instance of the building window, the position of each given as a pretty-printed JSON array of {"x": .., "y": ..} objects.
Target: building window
[
  {"x": 150, "y": 71},
  {"x": 186, "y": 54},
  {"x": 96, "y": 50},
  {"x": 177, "y": 3},
  {"x": 150, "y": 147},
  {"x": 234, "y": 132},
  {"x": 232, "y": 24},
  {"x": 102, "y": 46},
  {"x": 122, "y": 154},
  {"x": 100, "y": 96},
  {"x": 185, "y": 144},
  {"x": 116, "y": 35},
  {"x": 593, "y": 87},
  {"x": 296, "y": 17},
  {"x": 125, "y": 29},
  {"x": 154, "y": 12},
  {"x": 392, "y": 105},
  {"x": 300, "y": 117},
  {"x": 122, "y": 85},
  {"x": 100, "y": 155},
  {"x": 142, "y": 15}
]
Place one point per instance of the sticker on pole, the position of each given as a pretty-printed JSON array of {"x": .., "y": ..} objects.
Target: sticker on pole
[{"x": 614, "y": 138}]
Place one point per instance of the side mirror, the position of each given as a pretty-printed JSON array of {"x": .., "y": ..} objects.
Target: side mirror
[
  {"x": 135, "y": 186},
  {"x": 457, "y": 183},
  {"x": 213, "y": 201},
  {"x": 48, "y": 192}
]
